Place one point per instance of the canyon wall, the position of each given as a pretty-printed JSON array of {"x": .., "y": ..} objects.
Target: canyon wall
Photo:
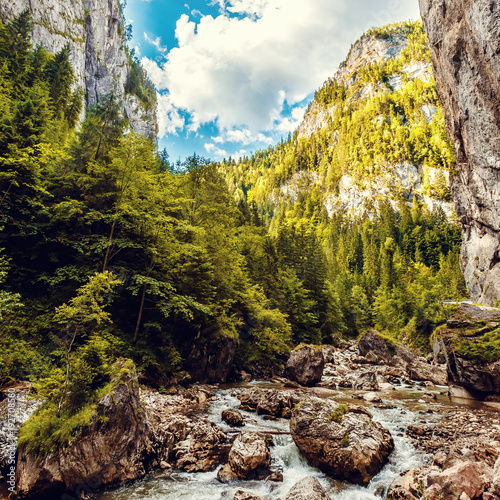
[
  {"x": 94, "y": 31},
  {"x": 464, "y": 37}
]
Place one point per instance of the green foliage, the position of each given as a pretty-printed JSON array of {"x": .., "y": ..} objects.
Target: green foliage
[
  {"x": 48, "y": 430},
  {"x": 484, "y": 348},
  {"x": 337, "y": 415}
]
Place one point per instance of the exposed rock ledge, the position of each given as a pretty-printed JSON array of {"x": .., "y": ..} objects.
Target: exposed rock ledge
[{"x": 464, "y": 38}]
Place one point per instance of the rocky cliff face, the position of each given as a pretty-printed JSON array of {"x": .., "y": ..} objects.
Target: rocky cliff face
[
  {"x": 94, "y": 31},
  {"x": 464, "y": 36}
]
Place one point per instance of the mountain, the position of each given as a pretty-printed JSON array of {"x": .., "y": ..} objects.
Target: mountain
[
  {"x": 464, "y": 39},
  {"x": 95, "y": 33},
  {"x": 375, "y": 132}
]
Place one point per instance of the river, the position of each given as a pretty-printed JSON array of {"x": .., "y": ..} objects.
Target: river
[{"x": 401, "y": 408}]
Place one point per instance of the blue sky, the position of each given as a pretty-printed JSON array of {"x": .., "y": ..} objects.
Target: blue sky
[{"x": 235, "y": 76}]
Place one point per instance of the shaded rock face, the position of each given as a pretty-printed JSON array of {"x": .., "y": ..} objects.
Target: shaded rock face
[
  {"x": 308, "y": 488},
  {"x": 373, "y": 343},
  {"x": 93, "y": 29},
  {"x": 343, "y": 441},
  {"x": 464, "y": 37},
  {"x": 305, "y": 365},
  {"x": 468, "y": 325},
  {"x": 212, "y": 363},
  {"x": 118, "y": 450}
]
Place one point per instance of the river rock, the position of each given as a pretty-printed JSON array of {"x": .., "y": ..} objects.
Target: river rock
[
  {"x": 244, "y": 495},
  {"x": 410, "y": 484},
  {"x": 308, "y": 488},
  {"x": 268, "y": 401},
  {"x": 117, "y": 447},
  {"x": 470, "y": 478},
  {"x": 233, "y": 417},
  {"x": 249, "y": 456},
  {"x": 305, "y": 365},
  {"x": 203, "y": 450},
  {"x": 366, "y": 382},
  {"x": 341, "y": 440}
]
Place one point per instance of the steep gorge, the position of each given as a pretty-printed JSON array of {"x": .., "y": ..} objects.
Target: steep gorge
[
  {"x": 464, "y": 39},
  {"x": 94, "y": 30}
]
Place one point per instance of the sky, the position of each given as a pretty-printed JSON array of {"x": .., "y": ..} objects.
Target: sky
[{"x": 236, "y": 76}]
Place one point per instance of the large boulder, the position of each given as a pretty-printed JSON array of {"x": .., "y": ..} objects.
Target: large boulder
[
  {"x": 464, "y": 38},
  {"x": 203, "y": 450},
  {"x": 373, "y": 343},
  {"x": 305, "y": 365},
  {"x": 462, "y": 480},
  {"x": 249, "y": 455},
  {"x": 341, "y": 440},
  {"x": 116, "y": 447},
  {"x": 471, "y": 478},
  {"x": 268, "y": 401},
  {"x": 308, "y": 488}
]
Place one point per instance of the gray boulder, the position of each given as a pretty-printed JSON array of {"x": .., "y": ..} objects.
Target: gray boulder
[{"x": 305, "y": 365}]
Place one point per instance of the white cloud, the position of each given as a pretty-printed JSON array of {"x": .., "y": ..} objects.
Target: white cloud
[
  {"x": 216, "y": 151},
  {"x": 169, "y": 119},
  {"x": 156, "y": 42},
  {"x": 240, "y": 70},
  {"x": 242, "y": 136}
]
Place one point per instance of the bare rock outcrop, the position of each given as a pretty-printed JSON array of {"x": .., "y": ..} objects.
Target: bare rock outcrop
[
  {"x": 305, "y": 365},
  {"x": 341, "y": 440},
  {"x": 118, "y": 446},
  {"x": 464, "y": 38},
  {"x": 466, "y": 341}
]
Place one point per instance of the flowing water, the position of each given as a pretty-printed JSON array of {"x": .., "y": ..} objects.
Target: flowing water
[{"x": 404, "y": 408}]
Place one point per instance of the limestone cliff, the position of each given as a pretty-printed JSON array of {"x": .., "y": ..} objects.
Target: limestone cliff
[
  {"x": 94, "y": 31},
  {"x": 464, "y": 36}
]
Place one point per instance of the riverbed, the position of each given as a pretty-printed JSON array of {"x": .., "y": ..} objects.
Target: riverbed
[{"x": 400, "y": 408}]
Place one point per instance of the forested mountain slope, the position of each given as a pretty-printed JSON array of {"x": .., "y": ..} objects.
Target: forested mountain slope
[{"x": 375, "y": 132}]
